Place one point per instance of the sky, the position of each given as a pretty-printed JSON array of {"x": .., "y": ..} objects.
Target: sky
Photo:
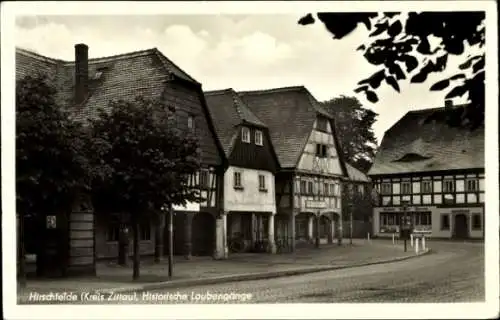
[{"x": 243, "y": 52}]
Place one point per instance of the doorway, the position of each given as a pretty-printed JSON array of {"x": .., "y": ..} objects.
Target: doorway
[{"x": 460, "y": 227}]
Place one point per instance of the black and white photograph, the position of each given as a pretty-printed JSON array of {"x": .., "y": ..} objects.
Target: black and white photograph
[{"x": 253, "y": 159}]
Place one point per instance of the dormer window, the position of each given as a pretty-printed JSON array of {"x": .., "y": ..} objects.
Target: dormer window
[
  {"x": 245, "y": 135},
  {"x": 190, "y": 123},
  {"x": 258, "y": 138}
]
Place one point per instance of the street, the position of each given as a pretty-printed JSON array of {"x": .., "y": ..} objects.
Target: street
[{"x": 454, "y": 272}]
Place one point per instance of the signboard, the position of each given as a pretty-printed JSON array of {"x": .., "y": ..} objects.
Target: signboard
[{"x": 315, "y": 204}]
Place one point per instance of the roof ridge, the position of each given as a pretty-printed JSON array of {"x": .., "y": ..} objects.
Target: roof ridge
[
  {"x": 38, "y": 55},
  {"x": 158, "y": 52},
  {"x": 217, "y": 92},
  {"x": 273, "y": 90}
]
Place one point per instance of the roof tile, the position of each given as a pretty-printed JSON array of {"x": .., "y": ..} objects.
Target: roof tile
[{"x": 423, "y": 141}]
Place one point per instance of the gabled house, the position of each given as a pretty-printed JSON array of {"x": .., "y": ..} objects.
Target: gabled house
[
  {"x": 308, "y": 185},
  {"x": 431, "y": 172},
  {"x": 83, "y": 86},
  {"x": 249, "y": 192}
]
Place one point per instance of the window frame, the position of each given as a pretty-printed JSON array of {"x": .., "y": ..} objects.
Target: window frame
[
  {"x": 245, "y": 135},
  {"x": 191, "y": 122},
  {"x": 259, "y": 138},
  {"x": 262, "y": 182},
  {"x": 237, "y": 180}
]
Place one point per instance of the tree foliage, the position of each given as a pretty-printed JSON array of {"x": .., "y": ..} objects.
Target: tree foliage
[
  {"x": 52, "y": 166},
  {"x": 355, "y": 130},
  {"x": 400, "y": 45},
  {"x": 147, "y": 159}
]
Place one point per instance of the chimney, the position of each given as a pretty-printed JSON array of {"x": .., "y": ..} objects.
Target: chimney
[
  {"x": 81, "y": 72},
  {"x": 448, "y": 103}
]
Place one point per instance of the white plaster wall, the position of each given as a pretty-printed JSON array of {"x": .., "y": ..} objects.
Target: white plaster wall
[
  {"x": 331, "y": 164},
  {"x": 250, "y": 198}
]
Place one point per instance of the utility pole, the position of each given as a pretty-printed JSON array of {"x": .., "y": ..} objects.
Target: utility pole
[
  {"x": 317, "y": 229},
  {"x": 170, "y": 240},
  {"x": 350, "y": 207},
  {"x": 405, "y": 231}
]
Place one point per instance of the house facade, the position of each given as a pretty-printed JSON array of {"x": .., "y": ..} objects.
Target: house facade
[
  {"x": 83, "y": 86},
  {"x": 431, "y": 172},
  {"x": 357, "y": 200},
  {"x": 308, "y": 185},
  {"x": 249, "y": 204}
]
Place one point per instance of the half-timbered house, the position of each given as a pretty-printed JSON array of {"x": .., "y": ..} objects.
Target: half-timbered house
[
  {"x": 308, "y": 185},
  {"x": 249, "y": 192},
  {"x": 83, "y": 86},
  {"x": 433, "y": 173}
]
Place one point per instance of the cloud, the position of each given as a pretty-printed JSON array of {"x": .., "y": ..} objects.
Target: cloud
[{"x": 244, "y": 52}]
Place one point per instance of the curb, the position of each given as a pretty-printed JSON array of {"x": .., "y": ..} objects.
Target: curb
[{"x": 250, "y": 276}]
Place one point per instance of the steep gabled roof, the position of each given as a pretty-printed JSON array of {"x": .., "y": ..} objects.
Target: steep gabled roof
[
  {"x": 124, "y": 76},
  {"x": 118, "y": 77},
  {"x": 422, "y": 141},
  {"x": 289, "y": 113},
  {"x": 356, "y": 175},
  {"x": 228, "y": 112}
]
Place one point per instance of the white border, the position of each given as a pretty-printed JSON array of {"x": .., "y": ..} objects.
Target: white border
[{"x": 291, "y": 311}]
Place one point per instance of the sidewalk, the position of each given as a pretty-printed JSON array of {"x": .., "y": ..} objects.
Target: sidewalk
[{"x": 205, "y": 270}]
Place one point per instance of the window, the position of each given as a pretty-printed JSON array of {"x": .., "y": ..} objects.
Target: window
[
  {"x": 423, "y": 219},
  {"x": 426, "y": 187},
  {"x": 472, "y": 185},
  {"x": 258, "y": 138},
  {"x": 303, "y": 187},
  {"x": 445, "y": 222},
  {"x": 321, "y": 150},
  {"x": 145, "y": 231},
  {"x": 325, "y": 189},
  {"x": 448, "y": 199},
  {"x": 310, "y": 187},
  {"x": 113, "y": 232},
  {"x": 237, "y": 180},
  {"x": 245, "y": 135},
  {"x": 332, "y": 189},
  {"x": 322, "y": 124},
  {"x": 262, "y": 182},
  {"x": 386, "y": 188},
  {"x": 448, "y": 186},
  {"x": 406, "y": 188},
  {"x": 476, "y": 221},
  {"x": 191, "y": 125},
  {"x": 203, "y": 179}
]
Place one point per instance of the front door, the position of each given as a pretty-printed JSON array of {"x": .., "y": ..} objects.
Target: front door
[{"x": 460, "y": 227}]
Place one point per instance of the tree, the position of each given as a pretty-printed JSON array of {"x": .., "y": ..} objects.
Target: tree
[
  {"x": 52, "y": 167},
  {"x": 149, "y": 160},
  {"x": 354, "y": 128},
  {"x": 400, "y": 45}
]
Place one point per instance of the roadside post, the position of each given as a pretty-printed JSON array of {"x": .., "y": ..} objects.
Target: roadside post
[
  {"x": 423, "y": 242},
  {"x": 411, "y": 239},
  {"x": 416, "y": 246},
  {"x": 405, "y": 225}
]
